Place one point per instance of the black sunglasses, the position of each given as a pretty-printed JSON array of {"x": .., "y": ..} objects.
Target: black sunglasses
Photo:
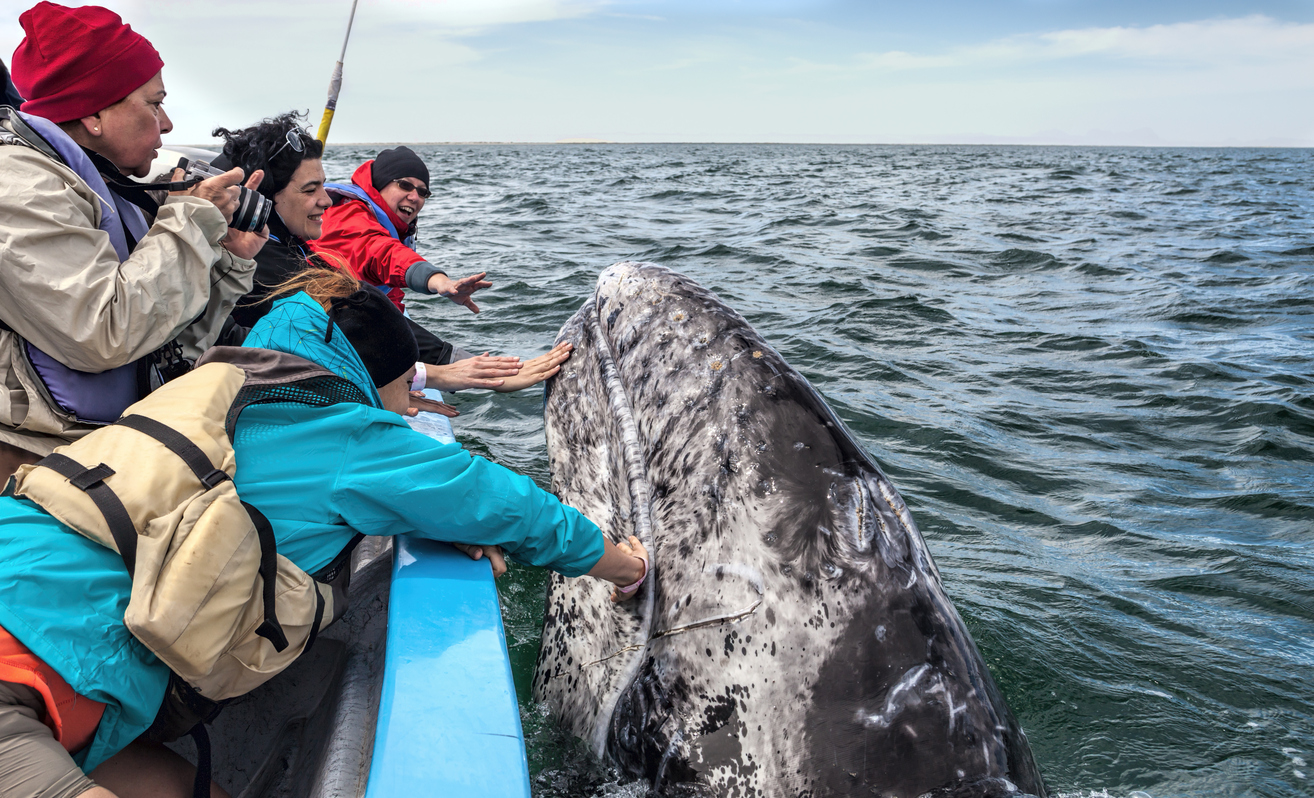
[
  {"x": 408, "y": 187},
  {"x": 294, "y": 141}
]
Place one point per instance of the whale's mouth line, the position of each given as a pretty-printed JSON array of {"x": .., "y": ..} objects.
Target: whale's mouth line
[{"x": 636, "y": 468}]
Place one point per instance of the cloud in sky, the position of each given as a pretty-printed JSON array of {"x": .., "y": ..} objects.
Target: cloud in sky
[
  {"x": 1217, "y": 43},
  {"x": 727, "y": 70}
]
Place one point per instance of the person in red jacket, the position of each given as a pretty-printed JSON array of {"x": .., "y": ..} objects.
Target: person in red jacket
[{"x": 371, "y": 227}]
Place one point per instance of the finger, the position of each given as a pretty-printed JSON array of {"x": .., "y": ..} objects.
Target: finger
[
  {"x": 430, "y": 406},
  {"x": 228, "y": 179},
  {"x": 469, "y": 303},
  {"x": 487, "y": 383},
  {"x": 638, "y": 547},
  {"x": 178, "y": 175},
  {"x": 253, "y": 182},
  {"x": 497, "y": 560},
  {"x": 491, "y": 373}
]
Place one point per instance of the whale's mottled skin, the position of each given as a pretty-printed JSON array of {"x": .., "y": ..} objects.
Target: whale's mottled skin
[{"x": 793, "y": 638}]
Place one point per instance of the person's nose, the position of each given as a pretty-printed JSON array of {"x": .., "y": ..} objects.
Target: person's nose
[{"x": 166, "y": 124}]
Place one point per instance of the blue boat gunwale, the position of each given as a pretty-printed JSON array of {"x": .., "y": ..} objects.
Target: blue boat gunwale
[{"x": 448, "y": 719}]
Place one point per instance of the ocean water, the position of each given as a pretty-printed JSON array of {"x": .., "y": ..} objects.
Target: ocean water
[{"x": 1090, "y": 371}]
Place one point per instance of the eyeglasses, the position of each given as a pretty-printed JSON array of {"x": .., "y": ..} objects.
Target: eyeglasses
[
  {"x": 294, "y": 141},
  {"x": 408, "y": 187}
]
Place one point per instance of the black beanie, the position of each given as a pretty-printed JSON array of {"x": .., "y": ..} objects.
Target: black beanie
[
  {"x": 395, "y": 164},
  {"x": 378, "y": 331}
]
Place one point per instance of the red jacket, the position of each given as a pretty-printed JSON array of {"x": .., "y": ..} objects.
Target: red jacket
[{"x": 352, "y": 233}]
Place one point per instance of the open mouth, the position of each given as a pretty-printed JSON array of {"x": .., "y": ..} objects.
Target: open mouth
[{"x": 405, "y": 210}]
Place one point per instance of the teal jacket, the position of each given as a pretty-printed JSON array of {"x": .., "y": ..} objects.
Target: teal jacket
[{"x": 320, "y": 475}]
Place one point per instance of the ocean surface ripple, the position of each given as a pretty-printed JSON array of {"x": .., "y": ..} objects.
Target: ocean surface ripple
[{"x": 1090, "y": 372}]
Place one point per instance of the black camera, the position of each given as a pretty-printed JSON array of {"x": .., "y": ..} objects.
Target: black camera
[{"x": 253, "y": 208}]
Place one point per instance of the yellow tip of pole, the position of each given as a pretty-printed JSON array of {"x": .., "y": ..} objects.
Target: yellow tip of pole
[{"x": 324, "y": 125}]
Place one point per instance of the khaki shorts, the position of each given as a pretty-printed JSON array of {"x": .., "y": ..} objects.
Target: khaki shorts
[{"x": 32, "y": 763}]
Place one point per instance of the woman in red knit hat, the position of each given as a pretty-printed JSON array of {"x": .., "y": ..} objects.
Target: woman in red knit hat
[
  {"x": 101, "y": 299},
  {"x": 106, "y": 293}
]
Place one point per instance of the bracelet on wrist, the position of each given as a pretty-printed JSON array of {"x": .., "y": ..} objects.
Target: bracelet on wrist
[{"x": 631, "y": 588}]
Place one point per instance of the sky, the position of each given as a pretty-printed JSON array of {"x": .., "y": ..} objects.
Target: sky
[{"x": 1106, "y": 72}]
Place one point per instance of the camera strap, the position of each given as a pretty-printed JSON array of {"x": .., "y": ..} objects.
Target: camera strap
[{"x": 124, "y": 186}]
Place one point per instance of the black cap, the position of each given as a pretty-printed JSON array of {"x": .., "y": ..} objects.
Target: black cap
[
  {"x": 395, "y": 164},
  {"x": 378, "y": 331}
]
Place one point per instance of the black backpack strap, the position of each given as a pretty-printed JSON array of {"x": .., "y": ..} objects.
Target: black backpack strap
[
  {"x": 270, "y": 629},
  {"x": 179, "y": 444},
  {"x": 319, "y": 619},
  {"x": 200, "y": 464},
  {"x": 201, "y": 785},
  {"x": 92, "y": 482}
]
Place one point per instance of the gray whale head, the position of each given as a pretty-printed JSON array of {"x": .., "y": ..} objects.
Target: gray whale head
[{"x": 793, "y": 637}]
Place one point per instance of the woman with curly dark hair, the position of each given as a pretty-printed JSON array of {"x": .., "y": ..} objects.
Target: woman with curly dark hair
[
  {"x": 292, "y": 161},
  {"x": 294, "y": 182}
]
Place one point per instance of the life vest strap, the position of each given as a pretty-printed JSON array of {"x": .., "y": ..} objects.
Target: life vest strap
[{"x": 91, "y": 481}]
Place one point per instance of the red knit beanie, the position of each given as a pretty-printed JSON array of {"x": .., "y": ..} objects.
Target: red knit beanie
[{"x": 78, "y": 61}]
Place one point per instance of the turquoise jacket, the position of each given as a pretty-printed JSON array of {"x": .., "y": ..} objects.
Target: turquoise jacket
[{"x": 319, "y": 475}]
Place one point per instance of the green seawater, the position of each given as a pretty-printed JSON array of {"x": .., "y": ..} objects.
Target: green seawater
[{"x": 1090, "y": 371}]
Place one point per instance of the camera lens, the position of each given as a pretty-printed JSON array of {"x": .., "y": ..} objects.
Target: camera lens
[{"x": 253, "y": 210}]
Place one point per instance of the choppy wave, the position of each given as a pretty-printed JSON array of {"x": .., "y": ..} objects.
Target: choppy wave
[{"x": 1090, "y": 371}]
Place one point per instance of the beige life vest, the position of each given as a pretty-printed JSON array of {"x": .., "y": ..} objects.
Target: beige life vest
[{"x": 210, "y": 596}]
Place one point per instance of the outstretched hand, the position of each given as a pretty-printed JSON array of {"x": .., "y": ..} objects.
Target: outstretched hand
[
  {"x": 493, "y": 553},
  {"x": 482, "y": 371},
  {"x": 540, "y": 368},
  {"x": 459, "y": 291},
  {"x": 421, "y": 403}
]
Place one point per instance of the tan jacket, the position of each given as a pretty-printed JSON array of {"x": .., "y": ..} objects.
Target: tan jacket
[{"x": 63, "y": 288}]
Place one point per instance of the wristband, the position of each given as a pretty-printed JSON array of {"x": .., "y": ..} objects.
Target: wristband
[
  {"x": 635, "y": 586},
  {"x": 421, "y": 374}
]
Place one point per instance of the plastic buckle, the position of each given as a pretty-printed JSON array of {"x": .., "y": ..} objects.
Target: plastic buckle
[{"x": 215, "y": 477}]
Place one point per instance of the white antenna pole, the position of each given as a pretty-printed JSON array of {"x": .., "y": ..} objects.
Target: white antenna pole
[{"x": 335, "y": 83}]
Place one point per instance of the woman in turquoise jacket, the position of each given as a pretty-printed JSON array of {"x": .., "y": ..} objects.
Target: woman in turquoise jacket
[{"x": 321, "y": 475}]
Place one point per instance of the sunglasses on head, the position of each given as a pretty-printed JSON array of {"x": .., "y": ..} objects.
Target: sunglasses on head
[
  {"x": 294, "y": 141},
  {"x": 408, "y": 187}
]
